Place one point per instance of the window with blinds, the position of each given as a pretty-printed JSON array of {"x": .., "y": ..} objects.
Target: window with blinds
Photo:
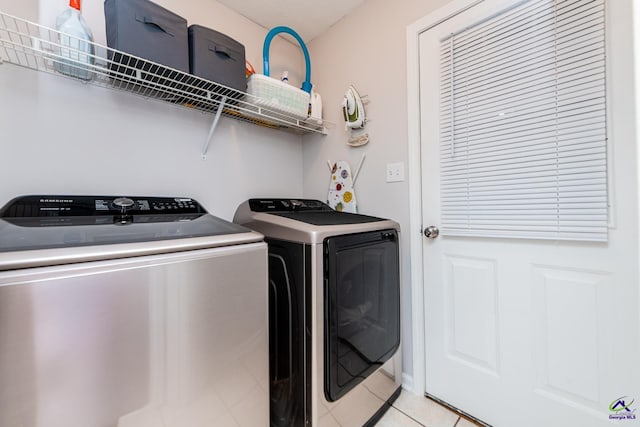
[{"x": 522, "y": 124}]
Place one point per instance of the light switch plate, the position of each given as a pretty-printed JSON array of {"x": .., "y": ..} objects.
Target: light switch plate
[{"x": 395, "y": 172}]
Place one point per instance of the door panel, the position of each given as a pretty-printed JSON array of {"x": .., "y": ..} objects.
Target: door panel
[
  {"x": 523, "y": 332},
  {"x": 570, "y": 370},
  {"x": 472, "y": 317}
]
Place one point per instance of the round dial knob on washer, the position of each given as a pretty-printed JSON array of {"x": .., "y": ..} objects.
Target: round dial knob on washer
[{"x": 123, "y": 203}]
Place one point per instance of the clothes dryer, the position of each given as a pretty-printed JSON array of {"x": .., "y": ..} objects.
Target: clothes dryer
[{"x": 334, "y": 312}]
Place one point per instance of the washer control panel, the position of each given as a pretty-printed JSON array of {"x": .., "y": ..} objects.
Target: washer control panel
[
  {"x": 156, "y": 205},
  {"x": 90, "y": 206},
  {"x": 287, "y": 205}
]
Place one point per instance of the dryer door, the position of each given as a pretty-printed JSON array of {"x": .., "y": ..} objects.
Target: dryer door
[{"x": 362, "y": 307}]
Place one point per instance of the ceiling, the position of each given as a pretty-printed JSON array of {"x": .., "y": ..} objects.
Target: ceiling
[{"x": 309, "y": 18}]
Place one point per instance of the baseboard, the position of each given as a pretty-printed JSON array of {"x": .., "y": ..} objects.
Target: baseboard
[{"x": 407, "y": 384}]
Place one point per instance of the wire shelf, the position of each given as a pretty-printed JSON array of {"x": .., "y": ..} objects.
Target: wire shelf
[{"x": 37, "y": 47}]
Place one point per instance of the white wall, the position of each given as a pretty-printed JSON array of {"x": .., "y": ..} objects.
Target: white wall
[
  {"x": 368, "y": 49},
  {"x": 59, "y": 135}
]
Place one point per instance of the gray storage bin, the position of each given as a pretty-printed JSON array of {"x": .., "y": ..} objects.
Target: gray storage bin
[
  {"x": 144, "y": 29},
  {"x": 217, "y": 57}
]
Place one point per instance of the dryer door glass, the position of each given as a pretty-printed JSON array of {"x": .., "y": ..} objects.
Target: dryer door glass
[{"x": 362, "y": 300}]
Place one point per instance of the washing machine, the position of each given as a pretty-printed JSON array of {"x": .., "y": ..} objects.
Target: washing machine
[
  {"x": 334, "y": 312},
  {"x": 130, "y": 312}
]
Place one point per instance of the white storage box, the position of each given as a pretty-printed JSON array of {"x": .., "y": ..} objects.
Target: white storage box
[{"x": 278, "y": 96}]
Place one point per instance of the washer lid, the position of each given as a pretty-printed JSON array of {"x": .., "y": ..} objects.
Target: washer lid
[
  {"x": 303, "y": 220},
  {"x": 308, "y": 211},
  {"x": 328, "y": 218},
  {"x": 74, "y": 223}
]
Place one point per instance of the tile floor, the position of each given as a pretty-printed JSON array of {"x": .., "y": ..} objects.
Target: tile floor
[{"x": 410, "y": 410}]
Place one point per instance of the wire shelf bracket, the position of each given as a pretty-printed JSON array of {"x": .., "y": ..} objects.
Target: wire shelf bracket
[{"x": 205, "y": 147}]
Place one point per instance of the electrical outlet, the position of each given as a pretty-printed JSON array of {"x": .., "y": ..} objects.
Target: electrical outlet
[{"x": 395, "y": 172}]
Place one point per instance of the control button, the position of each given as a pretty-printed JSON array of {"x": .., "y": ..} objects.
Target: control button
[{"x": 123, "y": 203}]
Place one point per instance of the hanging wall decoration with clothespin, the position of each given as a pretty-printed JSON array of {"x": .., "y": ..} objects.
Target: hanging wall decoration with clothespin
[{"x": 342, "y": 195}]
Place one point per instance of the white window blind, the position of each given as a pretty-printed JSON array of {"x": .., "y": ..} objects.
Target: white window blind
[{"x": 522, "y": 124}]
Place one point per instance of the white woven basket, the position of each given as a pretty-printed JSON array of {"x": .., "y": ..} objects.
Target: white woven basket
[{"x": 278, "y": 96}]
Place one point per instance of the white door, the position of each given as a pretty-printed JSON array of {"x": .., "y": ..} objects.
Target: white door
[{"x": 524, "y": 332}]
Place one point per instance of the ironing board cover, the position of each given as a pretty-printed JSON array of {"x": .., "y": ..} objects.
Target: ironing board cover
[{"x": 341, "y": 196}]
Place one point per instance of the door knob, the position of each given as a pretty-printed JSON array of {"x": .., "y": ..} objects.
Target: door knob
[{"x": 431, "y": 232}]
